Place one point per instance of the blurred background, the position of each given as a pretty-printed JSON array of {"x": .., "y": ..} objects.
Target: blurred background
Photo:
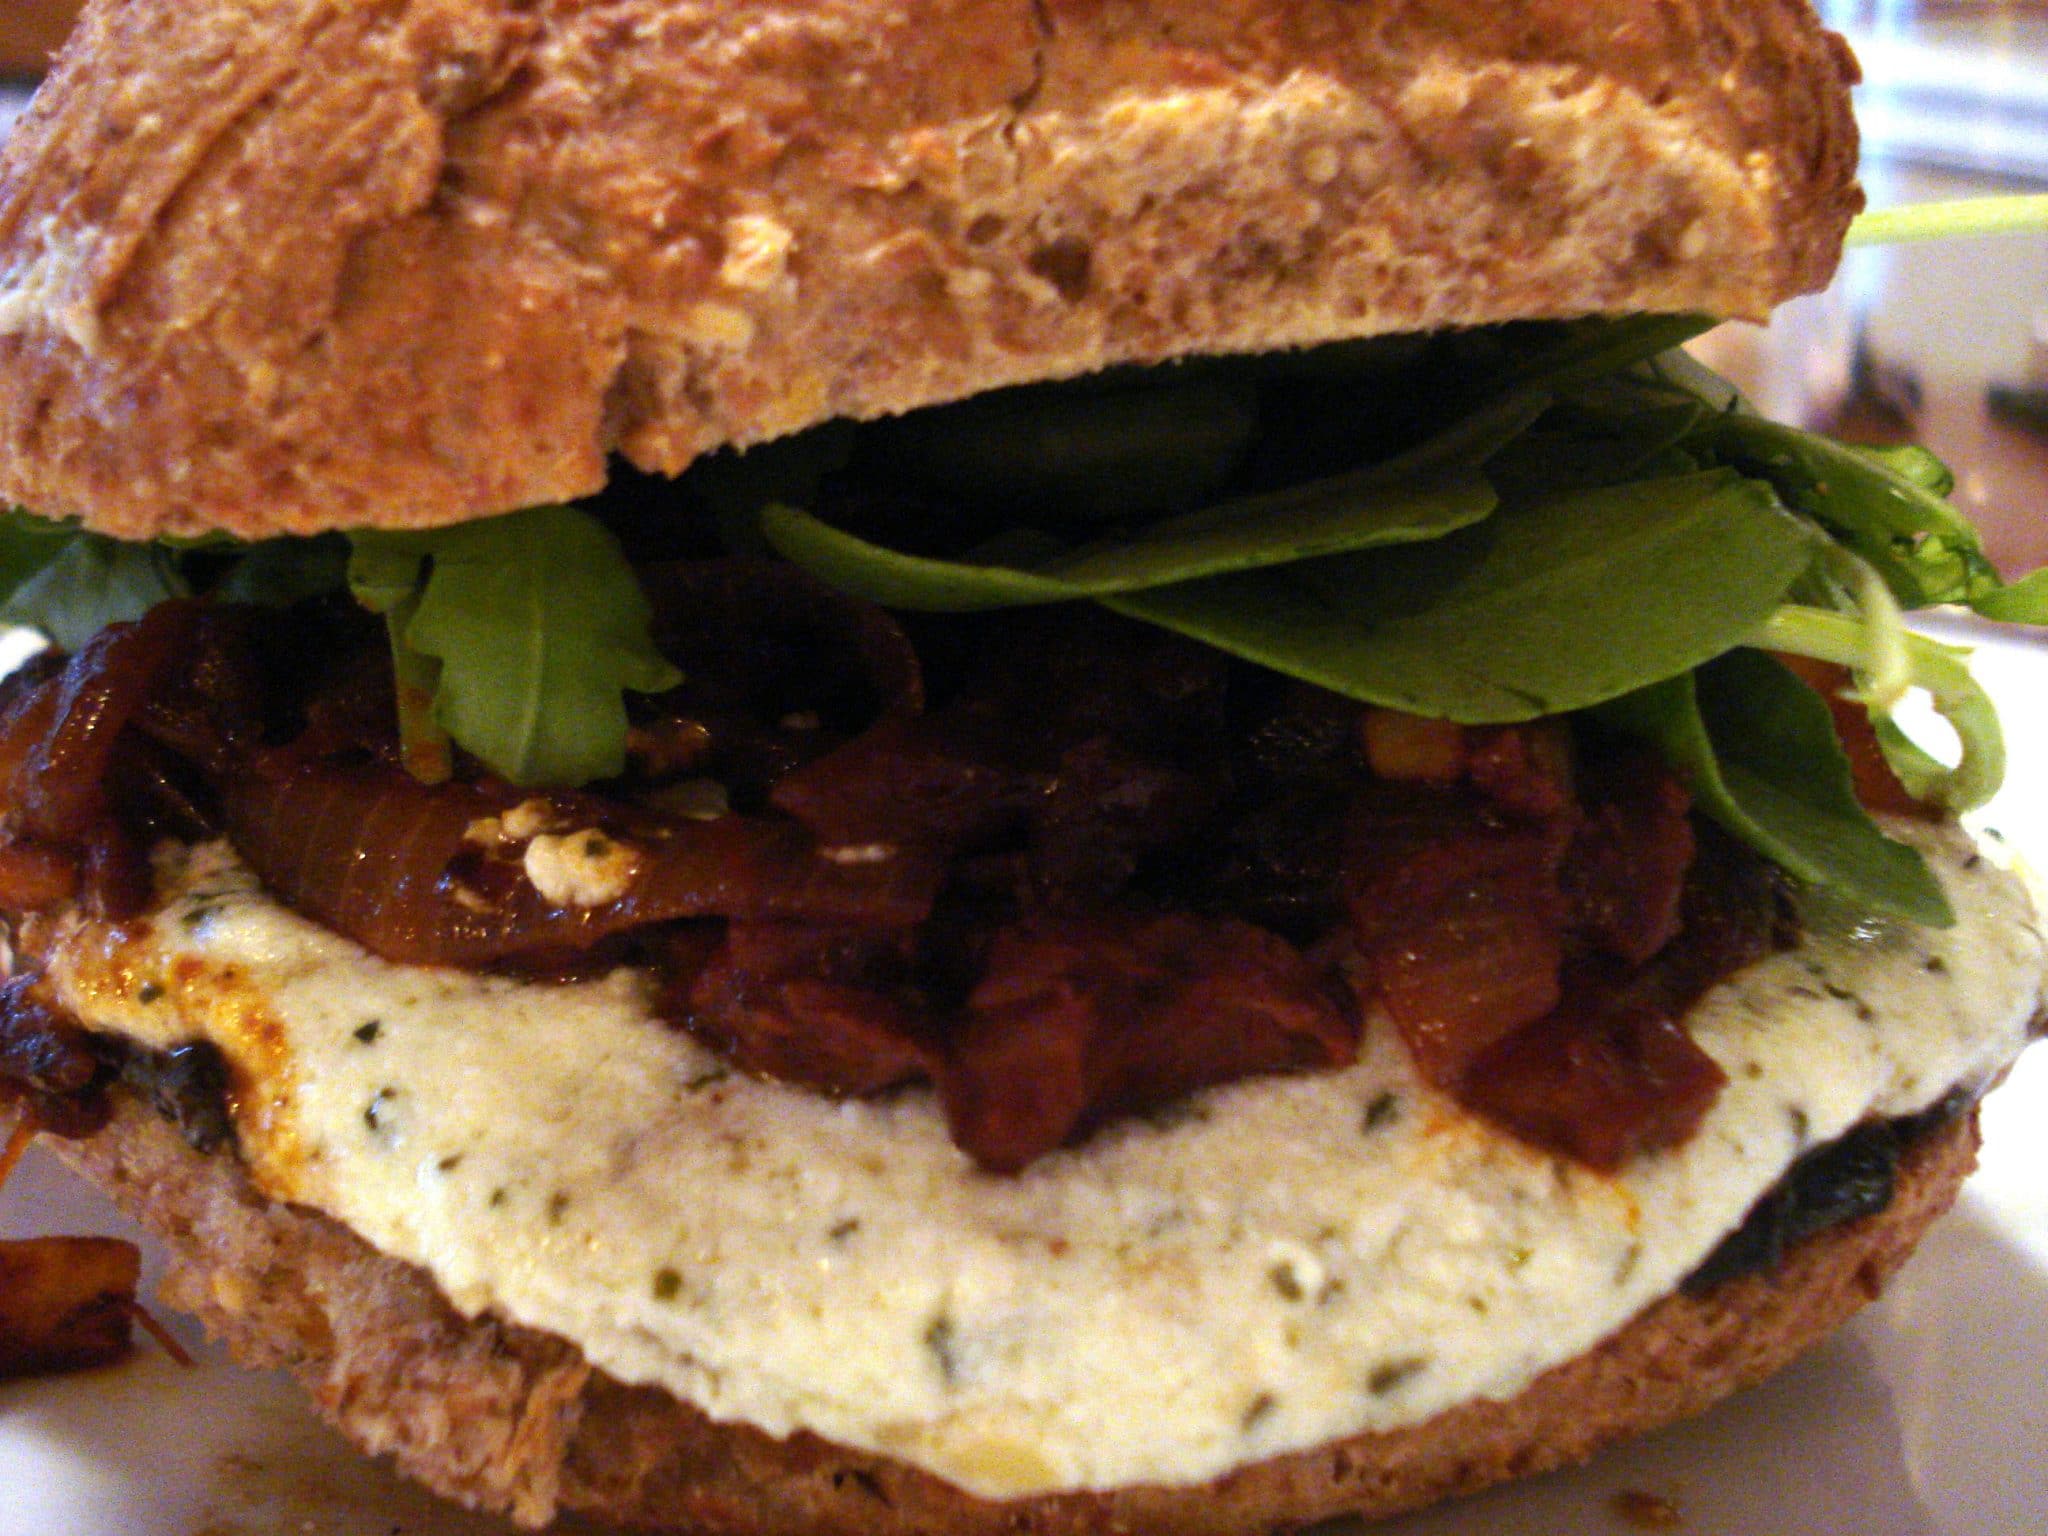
[{"x": 1945, "y": 343}]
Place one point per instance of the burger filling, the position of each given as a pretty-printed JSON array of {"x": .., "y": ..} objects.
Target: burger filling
[
  {"x": 1067, "y": 873},
  {"x": 1258, "y": 1268},
  {"x": 1400, "y": 847},
  {"x": 1078, "y": 749}
]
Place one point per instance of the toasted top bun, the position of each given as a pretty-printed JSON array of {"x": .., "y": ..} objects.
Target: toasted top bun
[{"x": 290, "y": 266}]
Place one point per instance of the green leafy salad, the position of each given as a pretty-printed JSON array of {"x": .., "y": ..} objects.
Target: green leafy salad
[{"x": 1484, "y": 528}]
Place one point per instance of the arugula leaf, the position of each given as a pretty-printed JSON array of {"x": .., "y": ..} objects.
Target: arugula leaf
[
  {"x": 1539, "y": 610},
  {"x": 69, "y": 584},
  {"x": 528, "y": 630},
  {"x": 385, "y": 575},
  {"x": 1923, "y": 548},
  {"x": 1888, "y": 505},
  {"x": 1758, "y": 749},
  {"x": 1913, "y": 463},
  {"x": 1923, "y": 775}
]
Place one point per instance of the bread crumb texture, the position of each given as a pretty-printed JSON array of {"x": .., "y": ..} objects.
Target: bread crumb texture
[
  {"x": 284, "y": 265},
  {"x": 503, "y": 1418}
]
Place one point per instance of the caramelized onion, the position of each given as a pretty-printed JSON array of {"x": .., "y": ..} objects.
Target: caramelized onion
[
  {"x": 416, "y": 874},
  {"x": 1611, "y": 1073},
  {"x": 34, "y": 875},
  {"x": 1077, "y": 1022},
  {"x": 1601, "y": 1079},
  {"x": 1458, "y": 919},
  {"x": 48, "y": 1058},
  {"x": 1626, "y": 874},
  {"x": 59, "y": 789},
  {"x": 62, "y": 740},
  {"x": 1112, "y": 811},
  {"x": 777, "y": 667},
  {"x": 937, "y": 782},
  {"x": 821, "y": 1006}
]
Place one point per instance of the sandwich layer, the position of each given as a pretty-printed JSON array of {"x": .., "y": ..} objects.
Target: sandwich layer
[
  {"x": 307, "y": 264},
  {"x": 1281, "y": 1264},
  {"x": 506, "y": 1419}
]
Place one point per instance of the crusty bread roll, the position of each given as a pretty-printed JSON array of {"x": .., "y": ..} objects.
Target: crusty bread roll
[
  {"x": 499, "y": 1417},
  {"x": 300, "y": 265}
]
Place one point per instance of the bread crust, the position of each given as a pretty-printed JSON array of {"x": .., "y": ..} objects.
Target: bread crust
[
  {"x": 284, "y": 265},
  {"x": 502, "y": 1418}
]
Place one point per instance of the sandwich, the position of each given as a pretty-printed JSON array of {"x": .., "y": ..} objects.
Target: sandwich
[{"x": 974, "y": 767}]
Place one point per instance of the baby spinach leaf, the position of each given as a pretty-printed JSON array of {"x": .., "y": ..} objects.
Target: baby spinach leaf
[
  {"x": 528, "y": 629},
  {"x": 1472, "y": 441},
  {"x": 1089, "y": 451},
  {"x": 27, "y": 544},
  {"x": 1426, "y": 491},
  {"x": 1349, "y": 512},
  {"x": 1576, "y": 449},
  {"x": 1758, "y": 749},
  {"x": 1583, "y": 350},
  {"x": 386, "y": 569},
  {"x": 1549, "y": 606},
  {"x": 897, "y": 580}
]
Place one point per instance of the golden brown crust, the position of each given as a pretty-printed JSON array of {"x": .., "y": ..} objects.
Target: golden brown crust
[
  {"x": 291, "y": 265},
  {"x": 503, "y": 1418},
  {"x": 31, "y": 33}
]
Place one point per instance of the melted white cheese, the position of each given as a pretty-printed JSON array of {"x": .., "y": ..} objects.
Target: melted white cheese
[{"x": 1279, "y": 1263}]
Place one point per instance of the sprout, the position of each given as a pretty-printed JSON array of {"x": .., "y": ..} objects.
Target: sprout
[{"x": 1847, "y": 640}]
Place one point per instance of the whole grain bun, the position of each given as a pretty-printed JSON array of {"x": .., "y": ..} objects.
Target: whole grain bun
[
  {"x": 298, "y": 265},
  {"x": 502, "y": 1418}
]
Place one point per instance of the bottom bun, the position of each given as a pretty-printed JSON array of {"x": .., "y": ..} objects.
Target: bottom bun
[{"x": 504, "y": 1418}]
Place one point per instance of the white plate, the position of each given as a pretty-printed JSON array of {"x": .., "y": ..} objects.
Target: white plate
[{"x": 1928, "y": 1416}]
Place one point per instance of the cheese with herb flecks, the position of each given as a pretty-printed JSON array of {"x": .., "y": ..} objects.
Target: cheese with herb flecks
[{"x": 1267, "y": 1267}]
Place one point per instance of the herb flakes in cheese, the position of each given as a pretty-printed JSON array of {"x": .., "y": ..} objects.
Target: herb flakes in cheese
[{"x": 1297, "y": 1259}]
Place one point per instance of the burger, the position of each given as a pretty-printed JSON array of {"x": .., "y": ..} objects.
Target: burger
[{"x": 976, "y": 767}]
